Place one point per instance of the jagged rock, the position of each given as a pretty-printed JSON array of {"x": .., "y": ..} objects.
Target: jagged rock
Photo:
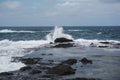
[
  {"x": 62, "y": 39},
  {"x": 61, "y": 70},
  {"x": 35, "y": 71},
  {"x": 103, "y": 46},
  {"x": 31, "y": 60},
  {"x": 25, "y": 68},
  {"x": 65, "y": 45},
  {"x": 70, "y": 61},
  {"x": 86, "y": 61},
  {"x": 6, "y": 74}
]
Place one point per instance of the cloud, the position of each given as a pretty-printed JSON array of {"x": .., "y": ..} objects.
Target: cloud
[
  {"x": 10, "y": 4},
  {"x": 110, "y": 1},
  {"x": 83, "y": 7}
]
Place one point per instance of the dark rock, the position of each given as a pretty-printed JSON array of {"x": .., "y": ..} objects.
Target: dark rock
[
  {"x": 86, "y": 61},
  {"x": 44, "y": 67},
  {"x": 84, "y": 79},
  {"x": 30, "y": 60},
  {"x": 50, "y": 54},
  {"x": 25, "y": 68},
  {"x": 62, "y": 39},
  {"x": 6, "y": 74},
  {"x": 43, "y": 54},
  {"x": 65, "y": 45},
  {"x": 51, "y": 42},
  {"x": 70, "y": 61},
  {"x": 105, "y": 42},
  {"x": 35, "y": 71},
  {"x": 47, "y": 76},
  {"x": 92, "y": 45},
  {"x": 61, "y": 70},
  {"x": 102, "y": 46}
]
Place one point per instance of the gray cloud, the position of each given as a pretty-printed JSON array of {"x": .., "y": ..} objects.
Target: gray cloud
[{"x": 110, "y": 1}]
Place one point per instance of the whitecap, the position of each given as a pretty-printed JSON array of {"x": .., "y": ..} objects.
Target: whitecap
[{"x": 14, "y": 31}]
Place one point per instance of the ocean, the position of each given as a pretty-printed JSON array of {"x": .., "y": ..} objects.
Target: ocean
[{"x": 100, "y": 43}]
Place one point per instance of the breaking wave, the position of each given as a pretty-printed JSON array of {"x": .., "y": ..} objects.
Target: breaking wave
[
  {"x": 14, "y": 31},
  {"x": 9, "y": 49}
]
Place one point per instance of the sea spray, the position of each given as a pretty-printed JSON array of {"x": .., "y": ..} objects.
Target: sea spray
[{"x": 57, "y": 33}]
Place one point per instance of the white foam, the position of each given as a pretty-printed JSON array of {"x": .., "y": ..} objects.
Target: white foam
[
  {"x": 99, "y": 33},
  {"x": 74, "y": 30},
  {"x": 14, "y": 31},
  {"x": 57, "y": 33},
  {"x": 9, "y": 49},
  {"x": 85, "y": 42}
]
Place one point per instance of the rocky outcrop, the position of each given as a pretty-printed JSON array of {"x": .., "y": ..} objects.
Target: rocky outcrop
[
  {"x": 62, "y": 39},
  {"x": 6, "y": 74},
  {"x": 61, "y": 70},
  {"x": 86, "y": 61},
  {"x": 69, "y": 61},
  {"x": 63, "y": 45},
  {"x": 25, "y": 68}
]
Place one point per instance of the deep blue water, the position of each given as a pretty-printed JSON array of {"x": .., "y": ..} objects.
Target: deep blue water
[{"x": 37, "y": 33}]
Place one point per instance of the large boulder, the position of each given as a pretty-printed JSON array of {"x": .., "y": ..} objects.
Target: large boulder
[
  {"x": 86, "y": 61},
  {"x": 62, "y": 70},
  {"x": 62, "y": 39},
  {"x": 69, "y": 61}
]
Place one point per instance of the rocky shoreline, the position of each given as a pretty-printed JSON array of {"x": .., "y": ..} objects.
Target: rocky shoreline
[
  {"x": 40, "y": 69},
  {"x": 49, "y": 69}
]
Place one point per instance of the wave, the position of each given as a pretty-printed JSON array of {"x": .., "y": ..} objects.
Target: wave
[
  {"x": 98, "y": 43},
  {"x": 9, "y": 49},
  {"x": 14, "y": 31},
  {"x": 75, "y": 30}
]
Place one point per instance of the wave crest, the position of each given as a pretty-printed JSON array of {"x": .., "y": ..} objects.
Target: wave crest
[{"x": 14, "y": 31}]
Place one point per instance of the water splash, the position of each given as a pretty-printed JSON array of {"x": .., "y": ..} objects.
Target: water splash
[{"x": 57, "y": 33}]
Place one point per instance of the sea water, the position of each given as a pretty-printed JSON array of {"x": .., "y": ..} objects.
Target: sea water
[{"x": 22, "y": 41}]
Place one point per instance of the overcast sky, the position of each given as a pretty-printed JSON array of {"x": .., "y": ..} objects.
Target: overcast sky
[{"x": 59, "y": 12}]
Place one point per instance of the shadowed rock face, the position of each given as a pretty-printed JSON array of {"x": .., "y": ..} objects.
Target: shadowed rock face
[
  {"x": 65, "y": 45},
  {"x": 6, "y": 74},
  {"x": 86, "y": 61},
  {"x": 61, "y": 70},
  {"x": 69, "y": 61},
  {"x": 25, "y": 68},
  {"x": 62, "y": 39}
]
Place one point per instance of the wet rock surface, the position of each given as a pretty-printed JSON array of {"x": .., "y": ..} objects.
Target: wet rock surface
[
  {"x": 64, "y": 45},
  {"x": 86, "y": 61},
  {"x": 70, "y": 61},
  {"x": 84, "y": 79},
  {"x": 25, "y": 68},
  {"x": 62, "y": 39},
  {"x": 61, "y": 70},
  {"x": 41, "y": 69},
  {"x": 6, "y": 74}
]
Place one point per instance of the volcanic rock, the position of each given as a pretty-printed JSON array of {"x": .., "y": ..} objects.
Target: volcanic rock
[
  {"x": 86, "y": 61},
  {"x": 62, "y": 39},
  {"x": 25, "y": 68},
  {"x": 6, "y": 74},
  {"x": 70, "y": 61},
  {"x": 61, "y": 70}
]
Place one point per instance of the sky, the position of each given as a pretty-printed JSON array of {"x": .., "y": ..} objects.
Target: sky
[{"x": 60, "y": 12}]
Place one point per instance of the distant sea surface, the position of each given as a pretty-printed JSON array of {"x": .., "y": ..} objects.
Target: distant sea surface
[{"x": 38, "y": 33}]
